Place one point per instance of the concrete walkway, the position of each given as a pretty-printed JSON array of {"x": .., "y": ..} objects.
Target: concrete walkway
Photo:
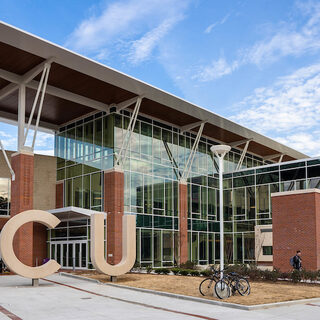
[{"x": 68, "y": 298}]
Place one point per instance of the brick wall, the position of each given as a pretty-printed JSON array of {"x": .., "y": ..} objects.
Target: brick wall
[
  {"x": 296, "y": 226},
  {"x": 114, "y": 207},
  {"x": 183, "y": 223},
  {"x": 22, "y": 200}
]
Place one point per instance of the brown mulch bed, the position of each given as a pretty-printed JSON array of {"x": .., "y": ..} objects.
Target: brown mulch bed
[{"x": 261, "y": 292}]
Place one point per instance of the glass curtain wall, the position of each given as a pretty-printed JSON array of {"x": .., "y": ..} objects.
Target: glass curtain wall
[{"x": 156, "y": 157}]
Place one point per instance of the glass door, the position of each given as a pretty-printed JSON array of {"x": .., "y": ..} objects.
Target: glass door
[{"x": 70, "y": 254}]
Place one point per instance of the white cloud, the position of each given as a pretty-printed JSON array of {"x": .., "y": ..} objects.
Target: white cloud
[
  {"x": 289, "y": 40},
  {"x": 220, "y": 22},
  {"x": 215, "y": 70},
  {"x": 132, "y": 27},
  {"x": 141, "y": 49},
  {"x": 288, "y": 111}
]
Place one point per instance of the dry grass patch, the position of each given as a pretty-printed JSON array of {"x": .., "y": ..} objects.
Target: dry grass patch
[{"x": 261, "y": 292}]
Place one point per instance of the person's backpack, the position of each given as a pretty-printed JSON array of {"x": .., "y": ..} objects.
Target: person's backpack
[{"x": 291, "y": 261}]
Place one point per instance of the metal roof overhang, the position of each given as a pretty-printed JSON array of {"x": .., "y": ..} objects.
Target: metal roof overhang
[
  {"x": 78, "y": 86},
  {"x": 72, "y": 213}
]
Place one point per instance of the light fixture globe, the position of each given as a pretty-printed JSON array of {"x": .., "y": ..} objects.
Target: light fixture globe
[{"x": 220, "y": 149}]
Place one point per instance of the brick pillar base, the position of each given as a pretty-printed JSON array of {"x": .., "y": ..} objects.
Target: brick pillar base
[
  {"x": 183, "y": 223},
  {"x": 114, "y": 207},
  {"x": 22, "y": 200}
]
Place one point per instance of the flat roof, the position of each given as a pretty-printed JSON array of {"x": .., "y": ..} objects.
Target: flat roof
[{"x": 77, "y": 86}]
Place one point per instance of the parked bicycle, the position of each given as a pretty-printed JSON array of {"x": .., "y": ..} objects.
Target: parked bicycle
[
  {"x": 206, "y": 286},
  {"x": 230, "y": 284}
]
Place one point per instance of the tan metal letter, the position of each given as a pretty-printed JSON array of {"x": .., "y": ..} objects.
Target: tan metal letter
[
  {"x": 128, "y": 245},
  {"x": 6, "y": 244}
]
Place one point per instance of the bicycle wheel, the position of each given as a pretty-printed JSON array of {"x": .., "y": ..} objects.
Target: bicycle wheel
[
  {"x": 243, "y": 287},
  {"x": 206, "y": 287},
  {"x": 222, "y": 289}
]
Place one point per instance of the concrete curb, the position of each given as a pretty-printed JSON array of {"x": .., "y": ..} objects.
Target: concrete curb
[
  {"x": 201, "y": 300},
  {"x": 66, "y": 274}
]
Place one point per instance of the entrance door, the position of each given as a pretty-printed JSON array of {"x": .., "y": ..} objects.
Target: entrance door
[{"x": 70, "y": 254}]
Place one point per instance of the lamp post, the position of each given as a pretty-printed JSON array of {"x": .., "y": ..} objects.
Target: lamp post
[{"x": 220, "y": 151}]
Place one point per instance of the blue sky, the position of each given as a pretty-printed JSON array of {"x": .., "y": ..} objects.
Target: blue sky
[{"x": 255, "y": 62}]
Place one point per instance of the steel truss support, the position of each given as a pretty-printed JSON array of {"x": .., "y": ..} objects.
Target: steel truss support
[
  {"x": 13, "y": 176},
  {"x": 273, "y": 156},
  {"x": 54, "y": 91},
  {"x": 41, "y": 89},
  {"x": 281, "y": 158},
  {"x": 187, "y": 168},
  {"x": 243, "y": 154},
  {"x": 121, "y": 157},
  {"x": 125, "y": 104},
  {"x": 239, "y": 143},
  {"x": 192, "y": 126}
]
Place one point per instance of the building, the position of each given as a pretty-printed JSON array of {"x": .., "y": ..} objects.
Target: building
[{"x": 125, "y": 147}]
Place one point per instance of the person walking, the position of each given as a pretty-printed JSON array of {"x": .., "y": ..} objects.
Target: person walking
[{"x": 297, "y": 264}]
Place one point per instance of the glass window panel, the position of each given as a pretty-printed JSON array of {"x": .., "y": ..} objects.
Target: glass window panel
[
  {"x": 195, "y": 198},
  {"x": 144, "y": 221},
  {"x": 293, "y": 174},
  {"x": 239, "y": 201},
  {"x": 162, "y": 222},
  {"x": 98, "y": 136},
  {"x": 158, "y": 193},
  {"x": 203, "y": 246},
  {"x": 212, "y": 208},
  {"x": 167, "y": 245},
  {"x": 238, "y": 249},
  {"x": 168, "y": 198},
  {"x": 146, "y": 245},
  {"x": 195, "y": 247},
  {"x": 227, "y": 204},
  {"x": 314, "y": 183},
  {"x": 313, "y": 171},
  {"x": 251, "y": 202},
  {"x": 211, "y": 248},
  {"x": 96, "y": 190},
  {"x": 68, "y": 194},
  {"x": 108, "y": 134},
  {"x": 77, "y": 192},
  {"x": 157, "y": 258},
  {"x": 263, "y": 199},
  {"x": 88, "y": 139},
  {"x": 228, "y": 248},
  {"x": 86, "y": 192},
  {"x": 249, "y": 246},
  {"x": 136, "y": 189},
  {"x": 268, "y": 178}
]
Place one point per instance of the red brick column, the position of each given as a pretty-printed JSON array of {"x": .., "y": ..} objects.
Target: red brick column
[
  {"x": 59, "y": 195},
  {"x": 183, "y": 222},
  {"x": 296, "y": 226},
  {"x": 21, "y": 200},
  {"x": 114, "y": 207}
]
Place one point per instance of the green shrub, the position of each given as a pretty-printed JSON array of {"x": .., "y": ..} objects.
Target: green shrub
[
  {"x": 194, "y": 273},
  {"x": 254, "y": 273},
  {"x": 309, "y": 275},
  {"x": 149, "y": 269},
  {"x": 270, "y": 275},
  {"x": 296, "y": 276},
  {"x": 188, "y": 265},
  {"x": 158, "y": 270},
  {"x": 175, "y": 270},
  {"x": 206, "y": 273},
  {"x": 285, "y": 275},
  {"x": 184, "y": 272}
]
